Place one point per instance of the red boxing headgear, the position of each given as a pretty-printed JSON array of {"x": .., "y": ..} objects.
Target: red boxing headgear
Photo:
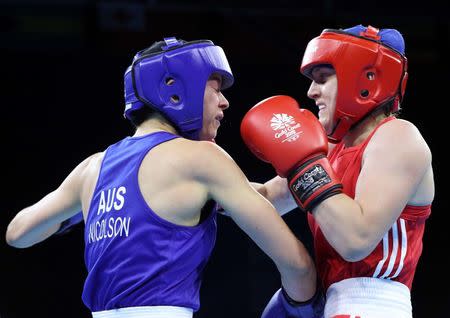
[{"x": 370, "y": 73}]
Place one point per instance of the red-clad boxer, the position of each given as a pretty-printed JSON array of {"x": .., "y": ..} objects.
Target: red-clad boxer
[{"x": 370, "y": 193}]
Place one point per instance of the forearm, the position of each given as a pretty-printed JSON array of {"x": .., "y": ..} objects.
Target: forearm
[
  {"x": 345, "y": 227},
  {"x": 274, "y": 237},
  {"x": 25, "y": 231},
  {"x": 299, "y": 282},
  {"x": 39, "y": 221},
  {"x": 277, "y": 192}
]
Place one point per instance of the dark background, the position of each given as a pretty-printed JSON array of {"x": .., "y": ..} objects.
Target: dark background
[{"x": 62, "y": 67}]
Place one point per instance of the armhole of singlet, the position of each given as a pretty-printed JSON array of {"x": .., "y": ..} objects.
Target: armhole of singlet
[
  {"x": 153, "y": 214},
  {"x": 207, "y": 210},
  {"x": 336, "y": 149},
  {"x": 381, "y": 123}
]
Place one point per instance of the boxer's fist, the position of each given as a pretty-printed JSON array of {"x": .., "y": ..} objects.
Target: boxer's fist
[
  {"x": 277, "y": 131},
  {"x": 282, "y": 306}
]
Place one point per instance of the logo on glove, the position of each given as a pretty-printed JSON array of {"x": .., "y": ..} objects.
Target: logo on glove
[
  {"x": 287, "y": 125},
  {"x": 310, "y": 181}
]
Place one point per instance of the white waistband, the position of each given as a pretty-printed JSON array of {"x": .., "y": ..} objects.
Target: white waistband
[
  {"x": 369, "y": 298},
  {"x": 146, "y": 312}
]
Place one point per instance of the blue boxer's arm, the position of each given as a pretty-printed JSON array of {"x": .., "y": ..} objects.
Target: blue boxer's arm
[
  {"x": 69, "y": 224},
  {"x": 282, "y": 306}
]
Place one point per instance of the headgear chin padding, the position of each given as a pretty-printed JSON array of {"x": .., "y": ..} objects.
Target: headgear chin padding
[
  {"x": 173, "y": 80},
  {"x": 371, "y": 70}
]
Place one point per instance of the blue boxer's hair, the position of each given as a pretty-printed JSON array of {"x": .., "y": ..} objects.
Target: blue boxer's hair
[{"x": 170, "y": 77}]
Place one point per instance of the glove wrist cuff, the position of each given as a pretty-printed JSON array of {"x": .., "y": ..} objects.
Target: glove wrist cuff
[
  {"x": 295, "y": 303},
  {"x": 312, "y": 182}
]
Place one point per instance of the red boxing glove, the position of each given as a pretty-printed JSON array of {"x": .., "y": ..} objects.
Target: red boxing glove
[{"x": 277, "y": 131}]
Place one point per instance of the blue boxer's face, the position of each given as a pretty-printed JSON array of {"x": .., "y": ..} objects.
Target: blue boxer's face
[
  {"x": 323, "y": 91},
  {"x": 214, "y": 103}
]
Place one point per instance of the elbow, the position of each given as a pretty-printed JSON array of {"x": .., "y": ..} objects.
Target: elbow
[
  {"x": 353, "y": 255},
  {"x": 355, "y": 251},
  {"x": 11, "y": 238},
  {"x": 14, "y": 239}
]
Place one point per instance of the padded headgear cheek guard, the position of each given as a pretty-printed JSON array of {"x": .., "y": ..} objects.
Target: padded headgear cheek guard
[
  {"x": 173, "y": 82},
  {"x": 369, "y": 73}
]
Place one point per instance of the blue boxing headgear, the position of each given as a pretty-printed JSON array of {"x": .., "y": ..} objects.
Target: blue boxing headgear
[{"x": 173, "y": 80}]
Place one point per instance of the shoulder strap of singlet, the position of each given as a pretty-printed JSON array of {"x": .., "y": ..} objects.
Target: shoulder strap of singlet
[
  {"x": 366, "y": 142},
  {"x": 341, "y": 144}
]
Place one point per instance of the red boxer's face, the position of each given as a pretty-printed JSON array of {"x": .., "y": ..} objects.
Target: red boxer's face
[
  {"x": 323, "y": 91},
  {"x": 214, "y": 103}
]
